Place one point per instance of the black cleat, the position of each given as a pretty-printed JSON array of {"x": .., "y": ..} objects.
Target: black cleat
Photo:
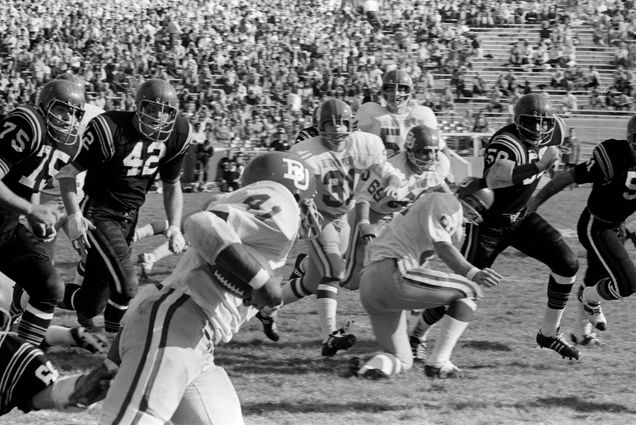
[
  {"x": 269, "y": 326},
  {"x": 338, "y": 340},
  {"x": 559, "y": 344}
]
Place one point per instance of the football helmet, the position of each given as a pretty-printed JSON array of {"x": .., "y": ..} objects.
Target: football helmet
[
  {"x": 535, "y": 119},
  {"x": 291, "y": 171},
  {"x": 335, "y": 123},
  {"x": 75, "y": 79},
  {"x": 397, "y": 87},
  {"x": 422, "y": 148},
  {"x": 157, "y": 107},
  {"x": 476, "y": 198},
  {"x": 61, "y": 103},
  {"x": 631, "y": 133}
]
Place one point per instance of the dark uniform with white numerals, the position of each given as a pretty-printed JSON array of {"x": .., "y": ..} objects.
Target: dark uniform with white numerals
[
  {"x": 601, "y": 228},
  {"x": 121, "y": 166},
  {"x": 24, "y": 372},
  {"x": 28, "y": 159}
]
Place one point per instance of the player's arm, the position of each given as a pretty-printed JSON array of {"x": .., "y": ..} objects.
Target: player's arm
[
  {"x": 366, "y": 229},
  {"x": 173, "y": 204},
  {"x": 450, "y": 255},
  {"x": 391, "y": 176},
  {"x": 554, "y": 186},
  {"x": 216, "y": 241}
]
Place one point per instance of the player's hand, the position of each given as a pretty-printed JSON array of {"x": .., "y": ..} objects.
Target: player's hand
[
  {"x": 44, "y": 233},
  {"x": 91, "y": 387},
  {"x": 45, "y": 214},
  {"x": 269, "y": 295},
  {"x": 391, "y": 191},
  {"x": 176, "y": 241},
  {"x": 367, "y": 232},
  {"x": 78, "y": 227},
  {"x": 550, "y": 156},
  {"x": 487, "y": 277}
]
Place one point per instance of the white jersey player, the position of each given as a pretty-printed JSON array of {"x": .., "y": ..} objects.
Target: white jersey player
[
  {"x": 167, "y": 372},
  {"x": 425, "y": 169},
  {"x": 393, "y": 121},
  {"x": 397, "y": 278},
  {"x": 337, "y": 158}
]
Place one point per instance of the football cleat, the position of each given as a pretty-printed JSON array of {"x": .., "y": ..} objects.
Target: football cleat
[
  {"x": 269, "y": 326},
  {"x": 559, "y": 344},
  {"x": 146, "y": 261},
  {"x": 593, "y": 312},
  {"x": 91, "y": 342},
  {"x": 338, "y": 340},
  {"x": 445, "y": 371},
  {"x": 299, "y": 267},
  {"x": 589, "y": 339},
  {"x": 418, "y": 348}
]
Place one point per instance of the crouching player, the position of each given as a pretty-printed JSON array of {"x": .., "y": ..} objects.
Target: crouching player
[
  {"x": 167, "y": 371},
  {"x": 397, "y": 278}
]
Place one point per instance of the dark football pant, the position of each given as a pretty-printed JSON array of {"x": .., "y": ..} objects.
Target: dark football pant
[
  {"x": 608, "y": 263},
  {"x": 25, "y": 261},
  {"x": 531, "y": 235},
  {"x": 110, "y": 279}
]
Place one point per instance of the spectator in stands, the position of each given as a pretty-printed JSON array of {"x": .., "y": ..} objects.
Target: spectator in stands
[
  {"x": 495, "y": 97},
  {"x": 595, "y": 101},
  {"x": 621, "y": 55},
  {"x": 570, "y": 103},
  {"x": 479, "y": 85},
  {"x": 205, "y": 151},
  {"x": 557, "y": 77},
  {"x": 481, "y": 124},
  {"x": 447, "y": 100},
  {"x": 592, "y": 77}
]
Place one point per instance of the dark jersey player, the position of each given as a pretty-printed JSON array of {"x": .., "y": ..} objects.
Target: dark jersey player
[
  {"x": 515, "y": 159},
  {"x": 122, "y": 155},
  {"x": 35, "y": 142},
  {"x": 610, "y": 273}
]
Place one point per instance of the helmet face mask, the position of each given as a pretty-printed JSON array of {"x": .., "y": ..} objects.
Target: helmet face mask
[
  {"x": 157, "y": 109},
  {"x": 62, "y": 104},
  {"x": 422, "y": 148},
  {"x": 289, "y": 170},
  {"x": 397, "y": 88},
  {"x": 535, "y": 119},
  {"x": 335, "y": 122}
]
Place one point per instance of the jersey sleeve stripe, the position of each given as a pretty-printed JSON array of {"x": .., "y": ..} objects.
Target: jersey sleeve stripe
[
  {"x": 512, "y": 145},
  {"x": 38, "y": 133},
  {"x": 104, "y": 136},
  {"x": 4, "y": 167},
  {"x": 604, "y": 161}
]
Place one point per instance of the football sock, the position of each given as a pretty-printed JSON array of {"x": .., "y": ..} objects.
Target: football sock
[
  {"x": 450, "y": 331},
  {"x": 559, "y": 288},
  {"x": 113, "y": 313},
  {"x": 294, "y": 290},
  {"x": 327, "y": 307},
  {"x": 425, "y": 323},
  {"x": 592, "y": 294},
  {"x": 387, "y": 363},
  {"x": 33, "y": 325},
  {"x": 155, "y": 228}
]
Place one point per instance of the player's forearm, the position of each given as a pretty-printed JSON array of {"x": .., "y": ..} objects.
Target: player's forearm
[
  {"x": 9, "y": 199},
  {"x": 505, "y": 173},
  {"x": 68, "y": 193},
  {"x": 451, "y": 256},
  {"x": 173, "y": 203},
  {"x": 554, "y": 186},
  {"x": 362, "y": 212}
]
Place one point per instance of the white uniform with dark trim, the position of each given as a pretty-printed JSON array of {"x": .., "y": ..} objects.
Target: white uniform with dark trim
[
  {"x": 397, "y": 278},
  {"x": 167, "y": 371}
]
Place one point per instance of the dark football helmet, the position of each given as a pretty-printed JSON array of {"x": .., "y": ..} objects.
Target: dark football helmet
[
  {"x": 291, "y": 171},
  {"x": 157, "y": 108},
  {"x": 61, "y": 103},
  {"x": 397, "y": 87},
  {"x": 337, "y": 113},
  {"x": 476, "y": 198},
  {"x": 422, "y": 148},
  {"x": 535, "y": 119}
]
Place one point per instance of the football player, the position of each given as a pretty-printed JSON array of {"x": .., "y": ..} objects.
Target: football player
[
  {"x": 30, "y": 382},
  {"x": 336, "y": 157},
  {"x": 167, "y": 371},
  {"x": 34, "y": 143},
  {"x": 515, "y": 159},
  {"x": 425, "y": 169},
  {"x": 392, "y": 122},
  {"x": 397, "y": 278},
  {"x": 610, "y": 273},
  {"x": 123, "y": 153}
]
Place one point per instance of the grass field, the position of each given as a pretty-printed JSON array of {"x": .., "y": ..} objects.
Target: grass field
[{"x": 508, "y": 379}]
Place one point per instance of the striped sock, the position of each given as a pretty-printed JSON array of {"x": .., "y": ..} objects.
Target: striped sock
[
  {"x": 327, "y": 307},
  {"x": 33, "y": 325},
  {"x": 113, "y": 313}
]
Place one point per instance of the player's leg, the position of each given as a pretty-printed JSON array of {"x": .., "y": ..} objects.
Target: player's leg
[
  {"x": 211, "y": 398},
  {"x": 27, "y": 264},
  {"x": 163, "y": 349},
  {"x": 157, "y": 227},
  {"x": 536, "y": 238},
  {"x": 148, "y": 259}
]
